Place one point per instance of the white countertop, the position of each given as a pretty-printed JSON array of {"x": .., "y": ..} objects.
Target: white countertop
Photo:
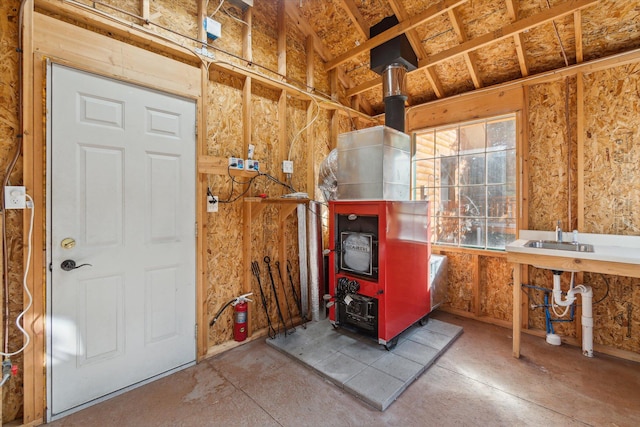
[{"x": 606, "y": 247}]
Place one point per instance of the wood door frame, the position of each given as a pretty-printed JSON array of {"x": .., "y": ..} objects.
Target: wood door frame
[{"x": 48, "y": 39}]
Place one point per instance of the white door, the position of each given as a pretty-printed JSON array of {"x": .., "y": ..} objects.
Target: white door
[{"x": 122, "y": 201}]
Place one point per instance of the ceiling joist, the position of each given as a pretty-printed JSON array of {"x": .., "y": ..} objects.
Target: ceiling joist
[
  {"x": 416, "y": 43},
  {"x": 356, "y": 17},
  {"x": 401, "y": 28},
  {"x": 509, "y": 30}
]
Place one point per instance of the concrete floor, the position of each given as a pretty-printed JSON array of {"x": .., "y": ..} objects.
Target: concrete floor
[{"x": 475, "y": 382}]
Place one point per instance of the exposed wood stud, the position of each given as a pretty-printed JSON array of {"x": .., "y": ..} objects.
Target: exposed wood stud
[
  {"x": 577, "y": 23},
  {"x": 202, "y": 316},
  {"x": 509, "y": 30}
]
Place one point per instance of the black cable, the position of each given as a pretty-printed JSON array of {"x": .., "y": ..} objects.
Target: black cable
[
  {"x": 606, "y": 294},
  {"x": 215, "y": 318}
]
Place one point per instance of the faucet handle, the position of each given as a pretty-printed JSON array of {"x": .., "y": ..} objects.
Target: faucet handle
[{"x": 575, "y": 237}]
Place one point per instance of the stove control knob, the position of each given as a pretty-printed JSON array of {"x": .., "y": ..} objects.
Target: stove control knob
[{"x": 354, "y": 286}]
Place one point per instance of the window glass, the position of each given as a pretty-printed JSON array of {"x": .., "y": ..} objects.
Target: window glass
[{"x": 468, "y": 173}]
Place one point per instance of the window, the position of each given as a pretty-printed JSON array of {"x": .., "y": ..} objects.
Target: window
[{"x": 468, "y": 172}]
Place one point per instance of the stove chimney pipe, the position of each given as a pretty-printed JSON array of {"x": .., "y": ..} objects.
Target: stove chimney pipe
[
  {"x": 394, "y": 95},
  {"x": 392, "y": 60}
]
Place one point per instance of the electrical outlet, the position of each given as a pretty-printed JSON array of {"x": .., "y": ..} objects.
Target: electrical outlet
[
  {"x": 287, "y": 166},
  {"x": 236, "y": 163},
  {"x": 252, "y": 165},
  {"x": 15, "y": 197},
  {"x": 212, "y": 203}
]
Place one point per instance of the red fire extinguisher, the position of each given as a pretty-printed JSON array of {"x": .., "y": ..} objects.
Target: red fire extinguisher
[{"x": 240, "y": 307}]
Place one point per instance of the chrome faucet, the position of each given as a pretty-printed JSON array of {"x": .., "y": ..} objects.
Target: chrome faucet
[
  {"x": 575, "y": 237},
  {"x": 558, "y": 232}
]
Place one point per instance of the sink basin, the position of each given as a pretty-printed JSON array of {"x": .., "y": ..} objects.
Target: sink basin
[{"x": 562, "y": 246}]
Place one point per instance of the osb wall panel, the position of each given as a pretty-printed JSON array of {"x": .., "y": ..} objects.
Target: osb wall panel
[
  {"x": 478, "y": 15},
  {"x": 449, "y": 73},
  {"x": 231, "y": 38},
  {"x": 265, "y": 34},
  {"x": 608, "y": 33},
  {"x": 494, "y": 66},
  {"x": 224, "y": 228},
  {"x": 437, "y": 35},
  {"x": 612, "y": 151},
  {"x": 551, "y": 174},
  {"x": 296, "y": 56},
  {"x": 326, "y": 17},
  {"x": 496, "y": 277},
  {"x": 616, "y": 311},
  {"x": 9, "y": 129},
  {"x": 544, "y": 51},
  {"x": 460, "y": 281}
]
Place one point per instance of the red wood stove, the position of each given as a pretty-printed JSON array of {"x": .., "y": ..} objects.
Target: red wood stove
[{"x": 379, "y": 266}]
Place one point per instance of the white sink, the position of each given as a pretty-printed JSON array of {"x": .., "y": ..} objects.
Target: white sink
[{"x": 606, "y": 247}]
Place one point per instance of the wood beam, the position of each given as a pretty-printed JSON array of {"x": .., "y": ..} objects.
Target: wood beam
[
  {"x": 469, "y": 57},
  {"x": 322, "y": 50},
  {"x": 509, "y": 30},
  {"x": 401, "y": 28},
  {"x": 520, "y": 26},
  {"x": 202, "y": 315},
  {"x": 416, "y": 43},
  {"x": 512, "y": 9},
  {"x": 356, "y": 17},
  {"x": 435, "y": 82},
  {"x": 518, "y": 39},
  {"x": 577, "y": 24}
]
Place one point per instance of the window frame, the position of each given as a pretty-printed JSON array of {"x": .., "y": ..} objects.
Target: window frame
[{"x": 502, "y": 217}]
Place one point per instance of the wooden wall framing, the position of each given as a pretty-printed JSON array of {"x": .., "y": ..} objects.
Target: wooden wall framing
[
  {"x": 186, "y": 75},
  {"x": 573, "y": 165}
]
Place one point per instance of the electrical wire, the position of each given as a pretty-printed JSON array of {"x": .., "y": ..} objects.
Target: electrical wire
[
  {"x": 217, "y": 8},
  {"x": 27, "y": 338},
  {"x": 315, "y": 117},
  {"x": 14, "y": 160},
  {"x": 231, "y": 199}
]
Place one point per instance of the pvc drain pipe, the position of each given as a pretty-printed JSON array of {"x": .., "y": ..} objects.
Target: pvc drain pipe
[{"x": 587, "y": 309}]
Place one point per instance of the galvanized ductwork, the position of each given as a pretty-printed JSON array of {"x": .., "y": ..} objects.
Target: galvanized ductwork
[{"x": 392, "y": 60}]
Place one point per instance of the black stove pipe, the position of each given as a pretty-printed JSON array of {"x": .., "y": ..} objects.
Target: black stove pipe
[{"x": 392, "y": 60}]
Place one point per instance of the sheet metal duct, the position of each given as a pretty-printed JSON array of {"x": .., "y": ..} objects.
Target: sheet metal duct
[{"x": 316, "y": 271}]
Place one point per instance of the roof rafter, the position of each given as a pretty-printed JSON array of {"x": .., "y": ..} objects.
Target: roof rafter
[
  {"x": 469, "y": 57},
  {"x": 401, "y": 28},
  {"x": 356, "y": 17},
  {"x": 418, "y": 47},
  {"x": 509, "y": 30},
  {"x": 322, "y": 50},
  {"x": 518, "y": 39},
  {"x": 577, "y": 24}
]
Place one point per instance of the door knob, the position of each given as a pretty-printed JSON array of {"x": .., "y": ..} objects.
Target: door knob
[{"x": 69, "y": 264}]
